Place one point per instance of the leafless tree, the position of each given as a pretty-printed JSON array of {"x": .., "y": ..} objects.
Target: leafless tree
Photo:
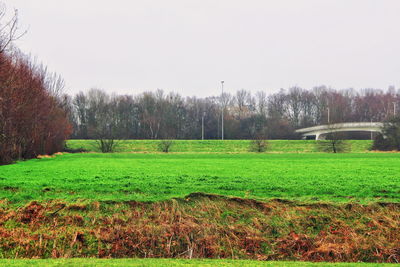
[
  {"x": 32, "y": 121},
  {"x": 165, "y": 145},
  {"x": 156, "y": 115},
  {"x": 243, "y": 99},
  {"x": 334, "y": 142},
  {"x": 104, "y": 120},
  {"x": 261, "y": 98},
  {"x": 9, "y": 30},
  {"x": 294, "y": 100},
  {"x": 259, "y": 143}
]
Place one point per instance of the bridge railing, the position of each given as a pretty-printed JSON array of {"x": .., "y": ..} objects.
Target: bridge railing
[{"x": 343, "y": 125}]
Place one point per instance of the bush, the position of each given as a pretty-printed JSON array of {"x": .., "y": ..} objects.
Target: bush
[
  {"x": 335, "y": 142},
  {"x": 380, "y": 143},
  {"x": 165, "y": 145},
  {"x": 258, "y": 145},
  {"x": 106, "y": 145},
  {"x": 333, "y": 146},
  {"x": 74, "y": 150},
  {"x": 390, "y": 137}
]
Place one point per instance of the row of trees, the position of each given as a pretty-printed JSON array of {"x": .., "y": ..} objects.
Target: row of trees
[
  {"x": 35, "y": 118},
  {"x": 32, "y": 116},
  {"x": 157, "y": 115}
]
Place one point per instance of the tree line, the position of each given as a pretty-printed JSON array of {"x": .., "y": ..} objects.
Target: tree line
[
  {"x": 37, "y": 118},
  {"x": 160, "y": 115},
  {"x": 32, "y": 118}
]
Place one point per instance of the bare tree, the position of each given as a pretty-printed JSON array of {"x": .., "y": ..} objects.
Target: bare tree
[
  {"x": 243, "y": 99},
  {"x": 165, "y": 145},
  {"x": 9, "y": 30},
  {"x": 294, "y": 105},
  {"x": 259, "y": 143},
  {"x": 32, "y": 121},
  {"x": 261, "y": 98},
  {"x": 105, "y": 131},
  {"x": 103, "y": 120},
  {"x": 334, "y": 142},
  {"x": 155, "y": 115},
  {"x": 151, "y": 111}
]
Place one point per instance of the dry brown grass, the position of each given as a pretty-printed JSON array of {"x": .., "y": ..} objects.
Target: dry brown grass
[
  {"x": 203, "y": 226},
  {"x": 44, "y": 156}
]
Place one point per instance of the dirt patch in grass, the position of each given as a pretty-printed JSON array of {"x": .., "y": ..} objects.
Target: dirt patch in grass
[
  {"x": 203, "y": 226},
  {"x": 11, "y": 188}
]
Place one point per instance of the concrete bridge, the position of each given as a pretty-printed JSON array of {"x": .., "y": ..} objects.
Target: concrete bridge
[{"x": 321, "y": 130}]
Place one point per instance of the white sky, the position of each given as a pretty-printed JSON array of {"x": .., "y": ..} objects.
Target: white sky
[{"x": 189, "y": 46}]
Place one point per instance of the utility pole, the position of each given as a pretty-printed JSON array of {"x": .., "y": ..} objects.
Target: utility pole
[
  {"x": 202, "y": 126},
  {"x": 222, "y": 113},
  {"x": 329, "y": 116},
  {"x": 371, "y": 133}
]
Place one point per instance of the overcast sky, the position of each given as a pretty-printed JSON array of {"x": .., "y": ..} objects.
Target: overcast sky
[{"x": 189, "y": 46}]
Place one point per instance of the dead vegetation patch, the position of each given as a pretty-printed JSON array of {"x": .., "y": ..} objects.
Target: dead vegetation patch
[{"x": 203, "y": 226}]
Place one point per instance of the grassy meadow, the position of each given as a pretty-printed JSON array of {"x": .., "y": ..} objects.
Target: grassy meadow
[
  {"x": 206, "y": 199},
  {"x": 362, "y": 177},
  {"x": 210, "y": 146}
]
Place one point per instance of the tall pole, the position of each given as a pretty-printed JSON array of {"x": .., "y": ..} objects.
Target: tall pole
[
  {"x": 394, "y": 108},
  {"x": 222, "y": 113},
  {"x": 329, "y": 116},
  {"x": 202, "y": 126},
  {"x": 371, "y": 133}
]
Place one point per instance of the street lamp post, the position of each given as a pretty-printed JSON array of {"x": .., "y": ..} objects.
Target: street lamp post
[
  {"x": 202, "y": 126},
  {"x": 222, "y": 113},
  {"x": 329, "y": 121}
]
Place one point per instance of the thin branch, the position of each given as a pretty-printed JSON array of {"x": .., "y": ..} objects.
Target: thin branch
[{"x": 9, "y": 31}]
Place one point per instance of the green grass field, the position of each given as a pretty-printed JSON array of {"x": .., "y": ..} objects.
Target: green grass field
[
  {"x": 230, "y": 146},
  {"x": 172, "y": 262},
  {"x": 363, "y": 177},
  {"x": 142, "y": 205}
]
